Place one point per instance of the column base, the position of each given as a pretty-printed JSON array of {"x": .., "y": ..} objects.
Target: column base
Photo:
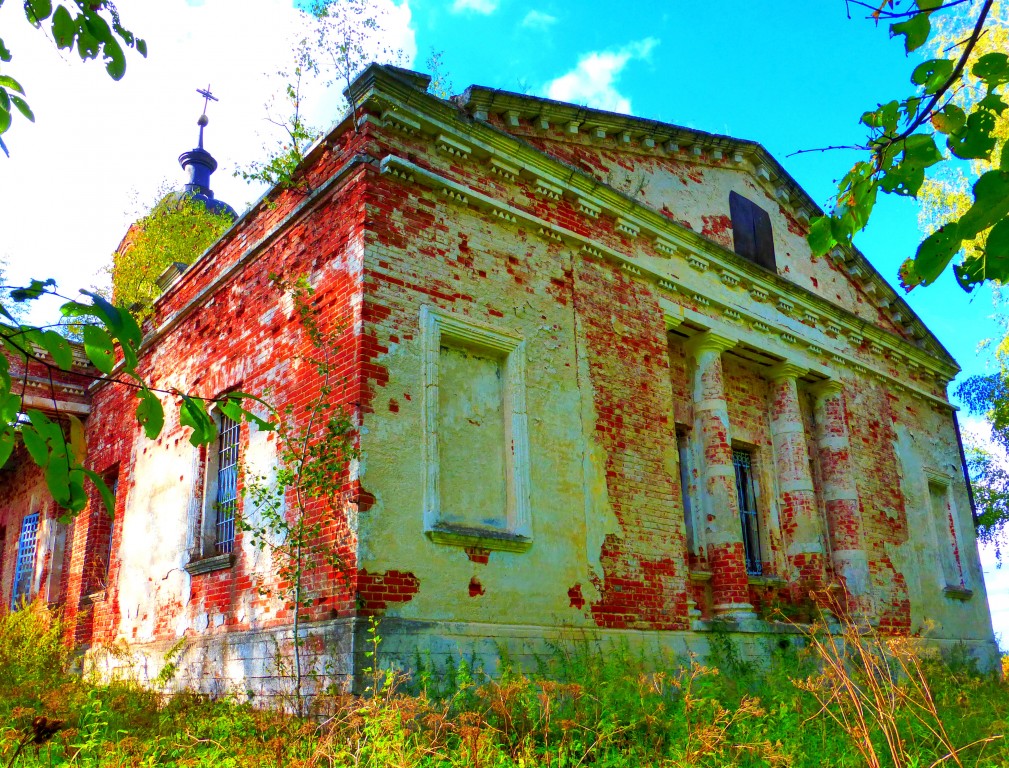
[{"x": 734, "y": 612}]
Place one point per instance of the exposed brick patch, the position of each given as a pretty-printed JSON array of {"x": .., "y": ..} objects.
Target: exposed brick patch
[
  {"x": 476, "y": 588},
  {"x": 576, "y": 598},
  {"x": 375, "y": 591},
  {"x": 718, "y": 228},
  {"x": 478, "y": 555}
]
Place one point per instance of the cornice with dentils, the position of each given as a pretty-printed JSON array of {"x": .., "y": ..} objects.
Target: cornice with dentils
[
  {"x": 687, "y": 143},
  {"x": 412, "y": 110}
]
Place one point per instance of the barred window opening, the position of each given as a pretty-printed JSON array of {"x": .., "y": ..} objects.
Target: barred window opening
[
  {"x": 24, "y": 564},
  {"x": 227, "y": 486},
  {"x": 113, "y": 483},
  {"x": 742, "y": 461}
]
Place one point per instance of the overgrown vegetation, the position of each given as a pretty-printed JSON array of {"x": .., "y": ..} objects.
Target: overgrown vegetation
[
  {"x": 869, "y": 702},
  {"x": 295, "y": 508},
  {"x": 177, "y": 229}
]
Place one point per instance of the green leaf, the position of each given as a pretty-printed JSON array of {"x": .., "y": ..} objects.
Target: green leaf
[
  {"x": 991, "y": 203},
  {"x": 37, "y": 11},
  {"x": 108, "y": 499},
  {"x": 37, "y": 447},
  {"x": 932, "y": 74},
  {"x": 58, "y": 480},
  {"x": 5, "y": 120},
  {"x": 87, "y": 45},
  {"x": 99, "y": 348},
  {"x": 231, "y": 409},
  {"x": 10, "y": 407},
  {"x": 263, "y": 424},
  {"x": 259, "y": 421},
  {"x": 5, "y": 54},
  {"x": 885, "y": 116},
  {"x": 993, "y": 103},
  {"x": 193, "y": 413},
  {"x": 64, "y": 28},
  {"x": 820, "y": 238},
  {"x": 970, "y": 273},
  {"x": 23, "y": 108},
  {"x": 936, "y": 251},
  {"x": 116, "y": 59},
  {"x": 997, "y": 244},
  {"x": 950, "y": 120},
  {"x": 915, "y": 30},
  {"x": 5, "y": 101},
  {"x": 7, "y": 442},
  {"x": 993, "y": 68},
  {"x": 78, "y": 498},
  {"x": 9, "y": 82},
  {"x": 974, "y": 140},
  {"x": 31, "y": 291},
  {"x": 150, "y": 414},
  {"x": 119, "y": 321},
  {"x": 142, "y": 47},
  {"x": 59, "y": 349},
  {"x": 841, "y": 227}
]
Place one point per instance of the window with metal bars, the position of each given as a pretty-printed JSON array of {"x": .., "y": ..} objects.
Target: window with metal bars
[
  {"x": 24, "y": 564},
  {"x": 742, "y": 461},
  {"x": 113, "y": 482},
  {"x": 227, "y": 486}
]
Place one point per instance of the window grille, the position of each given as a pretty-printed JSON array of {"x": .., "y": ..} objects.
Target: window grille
[
  {"x": 742, "y": 461},
  {"x": 113, "y": 484},
  {"x": 24, "y": 564},
  {"x": 227, "y": 486}
]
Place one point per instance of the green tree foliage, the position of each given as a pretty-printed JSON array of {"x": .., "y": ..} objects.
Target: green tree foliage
[
  {"x": 177, "y": 230},
  {"x": 951, "y": 114},
  {"x": 282, "y": 160},
  {"x": 946, "y": 195},
  {"x": 341, "y": 38},
  {"x": 112, "y": 341},
  {"x": 92, "y": 27},
  {"x": 988, "y": 396},
  {"x": 315, "y": 444}
]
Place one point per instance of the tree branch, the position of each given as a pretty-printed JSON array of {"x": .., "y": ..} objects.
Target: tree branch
[{"x": 954, "y": 76}]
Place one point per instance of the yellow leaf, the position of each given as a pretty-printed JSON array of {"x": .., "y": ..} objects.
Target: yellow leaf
[{"x": 78, "y": 443}]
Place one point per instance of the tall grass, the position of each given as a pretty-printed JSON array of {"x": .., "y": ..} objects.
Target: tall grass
[{"x": 853, "y": 700}]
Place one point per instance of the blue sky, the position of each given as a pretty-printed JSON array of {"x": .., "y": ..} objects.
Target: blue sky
[{"x": 789, "y": 75}]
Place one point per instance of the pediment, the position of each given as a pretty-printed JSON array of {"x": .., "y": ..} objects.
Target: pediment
[{"x": 687, "y": 176}]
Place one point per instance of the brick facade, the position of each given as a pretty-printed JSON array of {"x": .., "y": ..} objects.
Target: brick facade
[{"x": 582, "y": 267}]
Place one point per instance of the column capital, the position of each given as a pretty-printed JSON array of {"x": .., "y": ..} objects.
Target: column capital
[
  {"x": 786, "y": 370},
  {"x": 827, "y": 388},
  {"x": 709, "y": 341}
]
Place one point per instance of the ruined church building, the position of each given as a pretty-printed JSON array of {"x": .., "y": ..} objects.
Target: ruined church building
[{"x": 603, "y": 391}]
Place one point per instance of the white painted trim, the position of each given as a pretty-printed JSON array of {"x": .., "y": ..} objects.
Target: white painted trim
[
  {"x": 935, "y": 477},
  {"x": 672, "y": 284},
  {"x": 436, "y": 325}
]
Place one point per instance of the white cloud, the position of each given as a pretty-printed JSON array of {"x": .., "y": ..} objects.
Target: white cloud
[
  {"x": 538, "y": 20},
  {"x": 593, "y": 81},
  {"x": 74, "y": 178},
  {"x": 477, "y": 6}
]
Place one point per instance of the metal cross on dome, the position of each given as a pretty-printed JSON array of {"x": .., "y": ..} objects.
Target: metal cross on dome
[{"x": 207, "y": 98}]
